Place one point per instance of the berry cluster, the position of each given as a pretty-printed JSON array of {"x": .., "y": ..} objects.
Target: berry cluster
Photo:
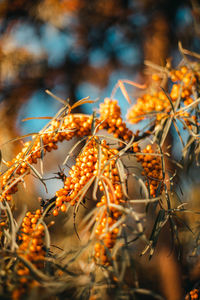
[
  {"x": 183, "y": 85},
  {"x": 146, "y": 104},
  {"x": 189, "y": 79},
  {"x": 188, "y": 76},
  {"x": 31, "y": 239},
  {"x": 110, "y": 114},
  {"x": 152, "y": 168},
  {"x": 31, "y": 248},
  {"x": 80, "y": 173},
  {"x": 86, "y": 167},
  {"x": 193, "y": 295},
  {"x": 106, "y": 230}
]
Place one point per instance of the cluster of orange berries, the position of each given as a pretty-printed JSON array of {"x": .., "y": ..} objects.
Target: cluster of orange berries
[
  {"x": 86, "y": 167},
  {"x": 80, "y": 173},
  {"x": 31, "y": 247},
  {"x": 146, "y": 104},
  {"x": 110, "y": 114},
  {"x": 106, "y": 231},
  {"x": 189, "y": 79},
  {"x": 158, "y": 101},
  {"x": 193, "y": 295},
  {"x": 152, "y": 168},
  {"x": 31, "y": 239},
  {"x": 188, "y": 76}
]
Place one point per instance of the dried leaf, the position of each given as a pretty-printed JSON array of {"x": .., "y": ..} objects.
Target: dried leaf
[
  {"x": 36, "y": 118},
  {"x": 56, "y": 97},
  {"x": 122, "y": 176},
  {"x": 83, "y": 101}
]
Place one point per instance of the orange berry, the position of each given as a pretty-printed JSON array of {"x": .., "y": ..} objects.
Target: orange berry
[
  {"x": 155, "y": 77},
  {"x": 63, "y": 208},
  {"x": 55, "y": 212}
]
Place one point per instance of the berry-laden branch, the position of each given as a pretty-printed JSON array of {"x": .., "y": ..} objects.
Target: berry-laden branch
[{"x": 110, "y": 156}]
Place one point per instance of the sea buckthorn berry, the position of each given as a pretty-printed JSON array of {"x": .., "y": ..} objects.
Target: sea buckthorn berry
[
  {"x": 63, "y": 208},
  {"x": 34, "y": 220},
  {"x": 155, "y": 77},
  {"x": 40, "y": 227}
]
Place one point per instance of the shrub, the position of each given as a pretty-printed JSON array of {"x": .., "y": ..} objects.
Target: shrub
[{"x": 111, "y": 158}]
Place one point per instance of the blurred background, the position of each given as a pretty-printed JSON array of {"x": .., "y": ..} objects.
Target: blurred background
[{"x": 80, "y": 48}]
